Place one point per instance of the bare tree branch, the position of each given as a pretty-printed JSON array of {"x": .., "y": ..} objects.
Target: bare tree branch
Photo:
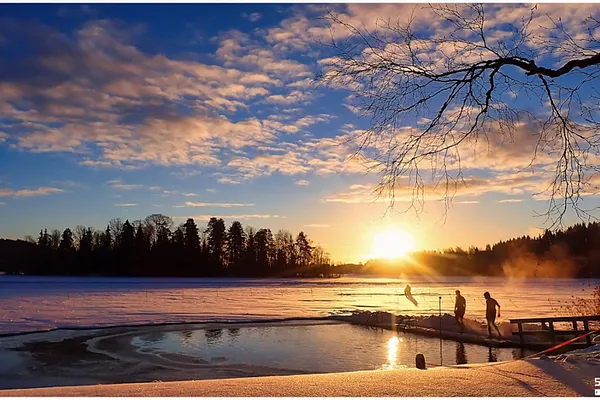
[{"x": 432, "y": 94}]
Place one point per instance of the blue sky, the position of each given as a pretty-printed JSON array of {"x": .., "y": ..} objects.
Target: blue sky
[{"x": 198, "y": 110}]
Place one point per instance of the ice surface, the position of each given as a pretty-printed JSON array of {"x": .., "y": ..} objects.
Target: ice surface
[{"x": 42, "y": 303}]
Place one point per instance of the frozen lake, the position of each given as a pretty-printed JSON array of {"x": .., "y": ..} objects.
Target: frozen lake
[
  {"x": 39, "y": 303},
  {"x": 213, "y": 351}
]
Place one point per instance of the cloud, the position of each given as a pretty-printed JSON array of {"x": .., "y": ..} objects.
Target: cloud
[
  {"x": 74, "y": 11},
  {"x": 41, "y": 191},
  {"x": 211, "y": 190},
  {"x": 467, "y": 202},
  {"x": 190, "y": 194},
  {"x": 93, "y": 92},
  {"x": 510, "y": 201},
  {"x": 294, "y": 97},
  {"x": 231, "y": 180},
  {"x": 309, "y": 120},
  {"x": 252, "y": 17},
  {"x": 223, "y": 205},
  {"x": 237, "y": 216},
  {"x": 68, "y": 183},
  {"x": 303, "y": 83},
  {"x": 316, "y": 226},
  {"x": 126, "y": 204},
  {"x": 185, "y": 173},
  {"x": 302, "y": 182},
  {"x": 120, "y": 185},
  {"x": 469, "y": 188},
  {"x": 96, "y": 94},
  {"x": 2, "y": 203},
  {"x": 290, "y": 163}
]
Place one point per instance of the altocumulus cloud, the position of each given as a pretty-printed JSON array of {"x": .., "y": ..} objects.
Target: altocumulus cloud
[
  {"x": 222, "y": 205},
  {"x": 238, "y": 216},
  {"x": 42, "y": 191},
  {"x": 98, "y": 95}
]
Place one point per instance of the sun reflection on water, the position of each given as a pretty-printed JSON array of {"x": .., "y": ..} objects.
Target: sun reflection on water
[{"x": 392, "y": 353}]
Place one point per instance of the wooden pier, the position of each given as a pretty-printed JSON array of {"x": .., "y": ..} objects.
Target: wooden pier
[
  {"x": 549, "y": 330},
  {"x": 548, "y": 335}
]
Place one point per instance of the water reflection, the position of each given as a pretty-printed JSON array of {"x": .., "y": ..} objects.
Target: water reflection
[
  {"x": 186, "y": 337},
  {"x": 213, "y": 335},
  {"x": 233, "y": 333},
  {"x": 519, "y": 353},
  {"x": 319, "y": 348},
  {"x": 154, "y": 337},
  {"x": 492, "y": 355},
  {"x": 461, "y": 355},
  {"x": 392, "y": 353}
]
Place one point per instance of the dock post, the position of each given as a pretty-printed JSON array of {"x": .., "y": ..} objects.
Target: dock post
[
  {"x": 521, "y": 338},
  {"x": 420, "y": 361},
  {"x": 551, "y": 325},
  {"x": 586, "y": 329},
  {"x": 440, "y": 317}
]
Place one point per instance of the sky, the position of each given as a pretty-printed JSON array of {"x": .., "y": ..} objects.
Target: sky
[{"x": 200, "y": 110}]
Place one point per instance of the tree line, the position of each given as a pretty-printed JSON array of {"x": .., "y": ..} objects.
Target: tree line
[
  {"x": 573, "y": 252},
  {"x": 154, "y": 247}
]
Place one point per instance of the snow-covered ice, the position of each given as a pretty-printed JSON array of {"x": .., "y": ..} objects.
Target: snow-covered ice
[{"x": 32, "y": 303}]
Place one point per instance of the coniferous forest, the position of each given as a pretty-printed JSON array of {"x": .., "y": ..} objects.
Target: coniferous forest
[
  {"x": 154, "y": 247},
  {"x": 570, "y": 253}
]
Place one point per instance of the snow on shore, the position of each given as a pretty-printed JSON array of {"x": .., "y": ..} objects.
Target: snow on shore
[{"x": 519, "y": 378}]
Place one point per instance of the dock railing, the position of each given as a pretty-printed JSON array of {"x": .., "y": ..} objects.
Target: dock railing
[{"x": 548, "y": 328}]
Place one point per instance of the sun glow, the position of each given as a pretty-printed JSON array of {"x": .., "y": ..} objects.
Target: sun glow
[{"x": 392, "y": 243}]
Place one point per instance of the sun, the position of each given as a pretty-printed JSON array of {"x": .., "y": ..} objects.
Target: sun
[{"x": 392, "y": 243}]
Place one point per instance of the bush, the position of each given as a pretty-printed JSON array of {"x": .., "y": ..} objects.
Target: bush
[{"x": 584, "y": 305}]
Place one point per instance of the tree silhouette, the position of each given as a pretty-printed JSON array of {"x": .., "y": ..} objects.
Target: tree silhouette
[
  {"x": 216, "y": 243},
  {"x": 192, "y": 236},
  {"x": 249, "y": 265},
  {"x": 434, "y": 92},
  {"x": 304, "y": 249},
  {"x": 572, "y": 252},
  {"x": 236, "y": 240},
  {"x": 66, "y": 242},
  {"x": 263, "y": 249}
]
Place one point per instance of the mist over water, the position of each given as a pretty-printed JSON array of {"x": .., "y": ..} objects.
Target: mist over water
[{"x": 32, "y": 303}]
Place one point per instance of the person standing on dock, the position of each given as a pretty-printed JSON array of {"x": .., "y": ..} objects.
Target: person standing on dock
[
  {"x": 459, "y": 310},
  {"x": 490, "y": 313}
]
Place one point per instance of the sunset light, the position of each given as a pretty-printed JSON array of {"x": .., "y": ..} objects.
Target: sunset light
[{"x": 392, "y": 243}]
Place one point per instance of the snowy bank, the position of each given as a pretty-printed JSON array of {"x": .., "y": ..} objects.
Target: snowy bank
[{"x": 518, "y": 378}]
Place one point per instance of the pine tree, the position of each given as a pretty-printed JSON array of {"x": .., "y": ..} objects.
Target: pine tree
[
  {"x": 66, "y": 242},
  {"x": 216, "y": 243},
  {"x": 192, "y": 236},
  {"x": 236, "y": 239}
]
